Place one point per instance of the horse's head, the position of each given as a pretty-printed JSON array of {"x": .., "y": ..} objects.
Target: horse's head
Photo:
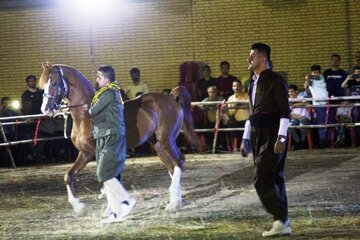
[{"x": 55, "y": 88}]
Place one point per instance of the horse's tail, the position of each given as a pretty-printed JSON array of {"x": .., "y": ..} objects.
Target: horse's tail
[{"x": 182, "y": 96}]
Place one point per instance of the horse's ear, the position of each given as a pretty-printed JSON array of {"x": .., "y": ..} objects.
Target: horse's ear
[
  {"x": 44, "y": 65},
  {"x": 49, "y": 65}
]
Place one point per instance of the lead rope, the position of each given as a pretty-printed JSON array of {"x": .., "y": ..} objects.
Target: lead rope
[
  {"x": 36, "y": 131},
  {"x": 327, "y": 114}
]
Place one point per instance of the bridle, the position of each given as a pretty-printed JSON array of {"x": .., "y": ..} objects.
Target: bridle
[
  {"x": 62, "y": 89},
  {"x": 62, "y": 92}
]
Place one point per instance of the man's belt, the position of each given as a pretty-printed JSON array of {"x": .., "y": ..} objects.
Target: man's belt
[{"x": 264, "y": 120}]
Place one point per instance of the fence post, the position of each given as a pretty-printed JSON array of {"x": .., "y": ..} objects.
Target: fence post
[
  {"x": 8, "y": 147},
  {"x": 219, "y": 113}
]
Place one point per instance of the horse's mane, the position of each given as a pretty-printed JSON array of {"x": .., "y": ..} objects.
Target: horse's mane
[{"x": 45, "y": 75}]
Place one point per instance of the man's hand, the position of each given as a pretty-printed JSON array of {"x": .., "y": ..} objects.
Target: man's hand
[
  {"x": 86, "y": 107},
  {"x": 280, "y": 144}
]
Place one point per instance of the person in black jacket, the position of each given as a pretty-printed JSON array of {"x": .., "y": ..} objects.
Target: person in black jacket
[{"x": 267, "y": 132}]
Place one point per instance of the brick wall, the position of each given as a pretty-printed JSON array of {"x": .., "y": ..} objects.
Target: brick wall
[{"x": 157, "y": 36}]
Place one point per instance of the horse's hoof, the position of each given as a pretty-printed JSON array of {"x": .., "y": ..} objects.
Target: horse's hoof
[
  {"x": 172, "y": 207},
  {"x": 79, "y": 208}
]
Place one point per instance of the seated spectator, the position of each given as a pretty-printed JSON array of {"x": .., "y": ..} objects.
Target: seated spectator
[
  {"x": 136, "y": 86},
  {"x": 300, "y": 116},
  {"x": 315, "y": 82},
  {"x": 6, "y": 111},
  {"x": 238, "y": 113},
  {"x": 203, "y": 83},
  {"x": 211, "y": 112},
  {"x": 343, "y": 115},
  {"x": 225, "y": 80}
]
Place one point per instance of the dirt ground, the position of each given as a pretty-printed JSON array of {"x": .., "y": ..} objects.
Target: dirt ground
[{"x": 219, "y": 200}]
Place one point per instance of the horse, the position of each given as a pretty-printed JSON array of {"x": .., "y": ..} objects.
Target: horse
[{"x": 148, "y": 114}]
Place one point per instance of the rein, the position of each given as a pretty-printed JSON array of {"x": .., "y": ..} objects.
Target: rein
[{"x": 72, "y": 106}]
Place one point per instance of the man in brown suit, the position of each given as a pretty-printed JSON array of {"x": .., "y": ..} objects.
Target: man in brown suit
[{"x": 267, "y": 131}]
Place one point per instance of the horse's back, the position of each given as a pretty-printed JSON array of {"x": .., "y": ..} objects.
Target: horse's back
[{"x": 145, "y": 114}]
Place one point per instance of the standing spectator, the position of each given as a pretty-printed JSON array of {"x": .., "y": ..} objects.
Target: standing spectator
[
  {"x": 225, "y": 80},
  {"x": 315, "y": 82},
  {"x": 334, "y": 77},
  {"x": 31, "y": 101},
  {"x": 136, "y": 86},
  {"x": 107, "y": 115},
  {"x": 267, "y": 131},
  {"x": 203, "y": 83},
  {"x": 352, "y": 82},
  {"x": 238, "y": 113},
  {"x": 189, "y": 74},
  {"x": 300, "y": 116}
]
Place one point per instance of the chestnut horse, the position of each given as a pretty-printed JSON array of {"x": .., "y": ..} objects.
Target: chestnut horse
[{"x": 150, "y": 113}]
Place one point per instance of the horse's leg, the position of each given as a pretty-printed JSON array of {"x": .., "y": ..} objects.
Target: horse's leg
[
  {"x": 173, "y": 160},
  {"x": 69, "y": 179},
  {"x": 175, "y": 186}
]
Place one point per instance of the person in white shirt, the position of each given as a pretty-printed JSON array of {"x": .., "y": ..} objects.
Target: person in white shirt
[
  {"x": 315, "y": 82},
  {"x": 137, "y": 87}
]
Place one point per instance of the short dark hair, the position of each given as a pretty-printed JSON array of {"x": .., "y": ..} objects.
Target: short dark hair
[
  {"x": 262, "y": 48},
  {"x": 30, "y": 77},
  {"x": 3, "y": 99},
  {"x": 108, "y": 71},
  {"x": 336, "y": 55},
  {"x": 293, "y": 87},
  {"x": 134, "y": 70},
  {"x": 225, "y": 63},
  {"x": 238, "y": 81},
  {"x": 315, "y": 67},
  {"x": 206, "y": 67},
  {"x": 166, "y": 90}
]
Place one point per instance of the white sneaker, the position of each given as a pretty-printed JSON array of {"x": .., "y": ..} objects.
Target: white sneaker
[
  {"x": 113, "y": 218},
  {"x": 278, "y": 229},
  {"x": 126, "y": 208}
]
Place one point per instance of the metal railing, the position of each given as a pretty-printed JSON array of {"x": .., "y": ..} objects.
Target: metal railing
[{"x": 220, "y": 107}]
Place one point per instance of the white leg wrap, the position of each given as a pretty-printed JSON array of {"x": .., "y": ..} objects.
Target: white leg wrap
[
  {"x": 78, "y": 206},
  {"x": 175, "y": 191}
]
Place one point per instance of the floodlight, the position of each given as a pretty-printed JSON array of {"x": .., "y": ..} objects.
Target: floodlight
[{"x": 15, "y": 104}]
